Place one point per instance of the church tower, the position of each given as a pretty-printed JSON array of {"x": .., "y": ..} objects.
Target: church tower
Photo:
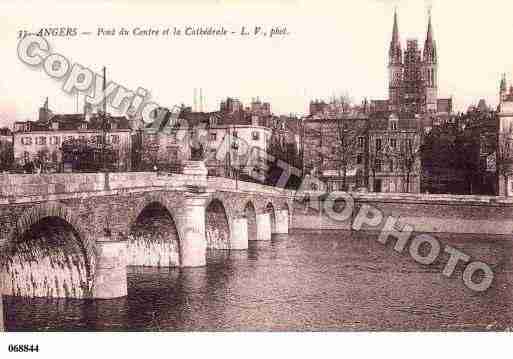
[
  {"x": 395, "y": 67},
  {"x": 430, "y": 70}
]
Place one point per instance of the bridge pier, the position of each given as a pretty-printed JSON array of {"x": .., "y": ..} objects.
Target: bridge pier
[
  {"x": 193, "y": 240},
  {"x": 239, "y": 233},
  {"x": 110, "y": 280},
  {"x": 263, "y": 222},
  {"x": 282, "y": 222}
]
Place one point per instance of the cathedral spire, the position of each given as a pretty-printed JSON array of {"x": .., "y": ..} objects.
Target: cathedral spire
[
  {"x": 395, "y": 52},
  {"x": 395, "y": 30},
  {"x": 429, "y": 37},
  {"x": 430, "y": 45}
]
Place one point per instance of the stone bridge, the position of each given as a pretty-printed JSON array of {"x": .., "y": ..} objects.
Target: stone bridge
[{"x": 72, "y": 235}]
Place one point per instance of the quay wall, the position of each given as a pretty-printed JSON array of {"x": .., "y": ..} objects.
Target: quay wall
[{"x": 425, "y": 213}]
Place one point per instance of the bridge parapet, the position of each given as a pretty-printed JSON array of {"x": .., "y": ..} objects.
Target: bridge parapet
[{"x": 29, "y": 185}]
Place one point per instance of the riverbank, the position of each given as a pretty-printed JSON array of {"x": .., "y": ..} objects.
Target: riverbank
[{"x": 425, "y": 213}]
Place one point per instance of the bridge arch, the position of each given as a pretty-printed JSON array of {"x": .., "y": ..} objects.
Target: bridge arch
[
  {"x": 153, "y": 237},
  {"x": 48, "y": 254},
  {"x": 218, "y": 224}
]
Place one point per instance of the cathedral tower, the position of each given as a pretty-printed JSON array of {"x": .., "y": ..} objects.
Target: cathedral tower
[{"x": 395, "y": 67}]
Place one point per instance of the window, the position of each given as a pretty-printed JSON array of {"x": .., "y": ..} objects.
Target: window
[
  {"x": 213, "y": 136},
  {"x": 26, "y": 140},
  {"x": 393, "y": 143},
  {"x": 234, "y": 134},
  {"x": 378, "y": 144},
  {"x": 55, "y": 140},
  {"x": 41, "y": 140},
  {"x": 255, "y": 135},
  {"x": 98, "y": 139},
  {"x": 361, "y": 142},
  {"x": 393, "y": 125},
  {"x": 391, "y": 165},
  {"x": 409, "y": 144},
  {"x": 55, "y": 125},
  {"x": 378, "y": 165},
  {"x": 359, "y": 159},
  {"x": 115, "y": 139},
  {"x": 82, "y": 138}
]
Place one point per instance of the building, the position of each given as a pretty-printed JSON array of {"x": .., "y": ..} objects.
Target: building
[
  {"x": 503, "y": 154},
  {"x": 335, "y": 150},
  {"x": 394, "y": 155},
  {"x": 413, "y": 78},
  {"x": 6, "y": 149},
  {"x": 42, "y": 140},
  {"x": 362, "y": 153},
  {"x": 259, "y": 108},
  {"x": 233, "y": 142},
  {"x": 336, "y": 107}
]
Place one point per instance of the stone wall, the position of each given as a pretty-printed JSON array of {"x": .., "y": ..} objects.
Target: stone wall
[
  {"x": 36, "y": 185},
  {"x": 426, "y": 213}
]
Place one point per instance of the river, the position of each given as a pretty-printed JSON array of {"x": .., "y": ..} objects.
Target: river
[{"x": 329, "y": 281}]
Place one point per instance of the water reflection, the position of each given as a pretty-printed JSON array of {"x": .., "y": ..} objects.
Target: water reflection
[{"x": 328, "y": 281}]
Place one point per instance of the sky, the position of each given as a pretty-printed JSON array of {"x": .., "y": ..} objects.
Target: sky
[{"x": 333, "y": 47}]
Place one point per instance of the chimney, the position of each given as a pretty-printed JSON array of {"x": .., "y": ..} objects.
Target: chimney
[
  {"x": 201, "y": 100},
  {"x": 44, "y": 112},
  {"x": 195, "y": 103},
  {"x": 88, "y": 110}
]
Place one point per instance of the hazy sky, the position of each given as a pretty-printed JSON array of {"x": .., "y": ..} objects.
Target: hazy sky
[{"x": 333, "y": 47}]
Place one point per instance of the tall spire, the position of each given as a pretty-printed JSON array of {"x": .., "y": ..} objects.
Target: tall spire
[
  {"x": 395, "y": 52},
  {"x": 395, "y": 31},
  {"x": 429, "y": 37},
  {"x": 430, "y": 45}
]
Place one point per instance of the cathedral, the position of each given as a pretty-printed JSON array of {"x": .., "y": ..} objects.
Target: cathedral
[{"x": 413, "y": 77}]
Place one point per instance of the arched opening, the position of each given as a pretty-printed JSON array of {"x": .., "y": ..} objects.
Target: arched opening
[
  {"x": 250, "y": 215},
  {"x": 153, "y": 240},
  {"x": 217, "y": 229},
  {"x": 47, "y": 260},
  {"x": 272, "y": 216}
]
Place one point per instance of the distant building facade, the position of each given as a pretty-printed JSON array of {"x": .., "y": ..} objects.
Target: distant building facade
[
  {"x": 227, "y": 139},
  {"x": 394, "y": 155},
  {"x": 355, "y": 153},
  {"x": 42, "y": 139}
]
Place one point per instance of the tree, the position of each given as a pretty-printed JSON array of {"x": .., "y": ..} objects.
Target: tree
[
  {"x": 43, "y": 159},
  {"x": 6, "y": 155},
  {"x": 347, "y": 134},
  {"x": 409, "y": 155},
  {"x": 376, "y": 158}
]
